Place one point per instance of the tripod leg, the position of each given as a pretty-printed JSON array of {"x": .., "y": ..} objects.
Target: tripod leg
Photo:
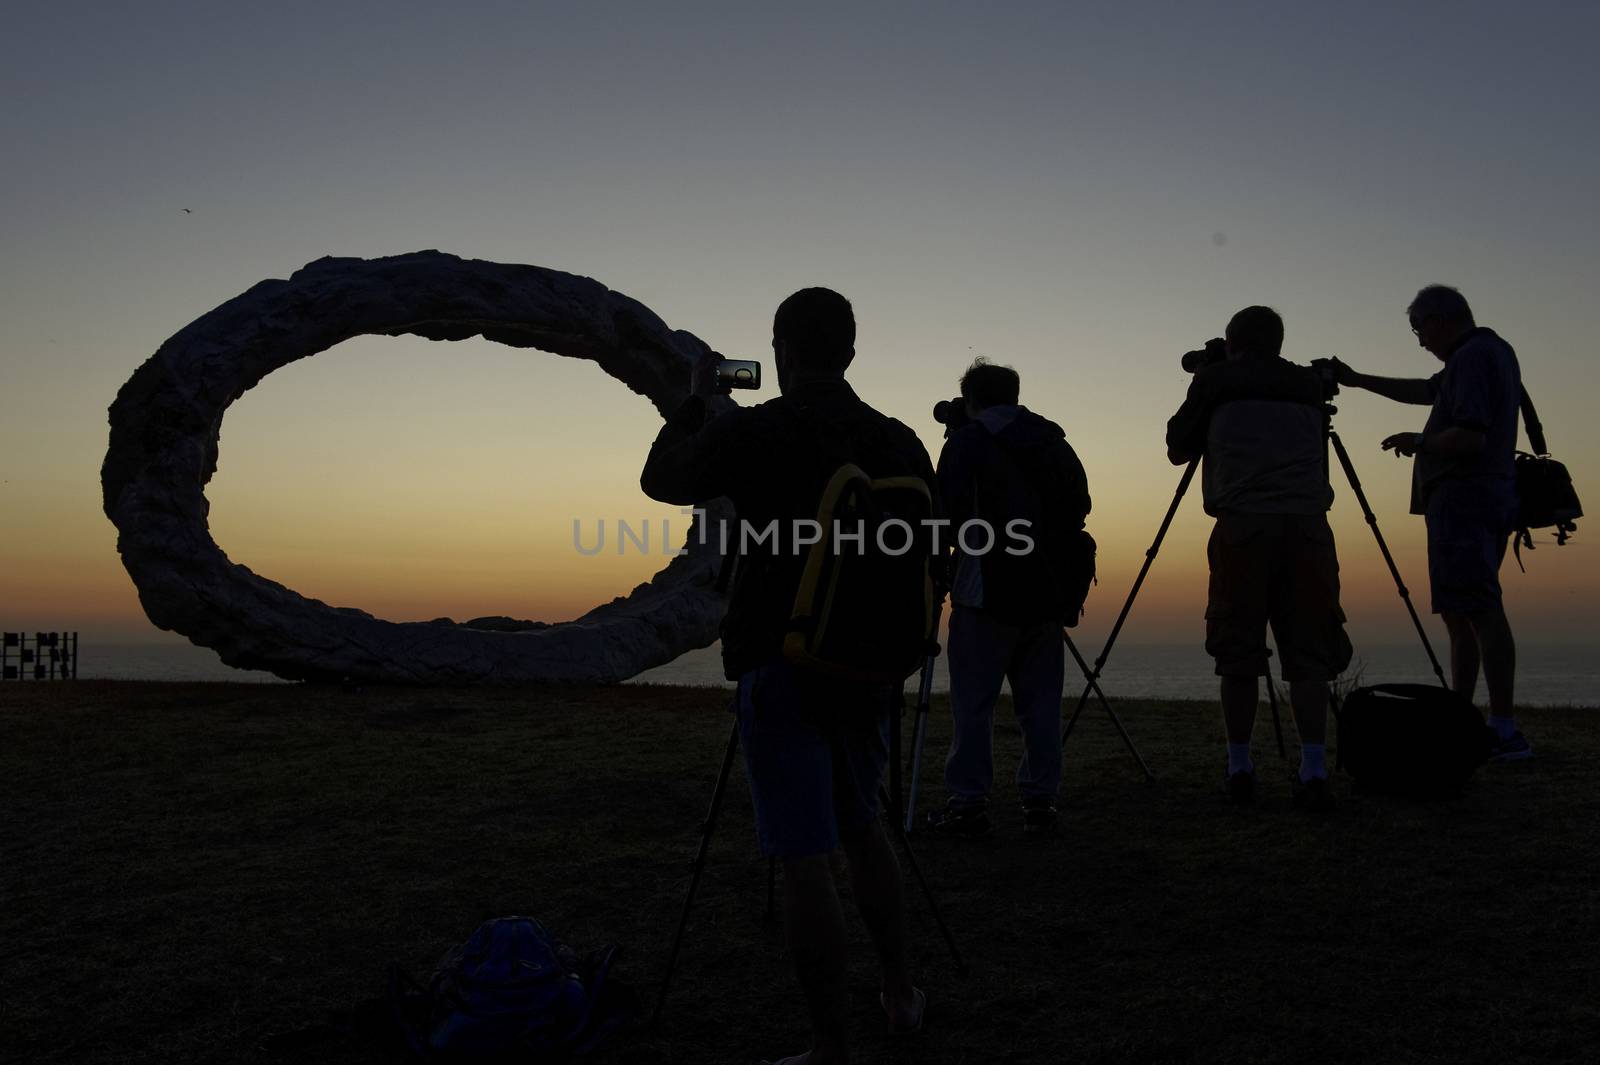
[
  {"x": 927, "y": 892},
  {"x": 895, "y": 810},
  {"x": 1076, "y": 711},
  {"x": 1149, "y": 560},
  {"x": 889, "y": 797},
  {"x": 1394, "y": 571},
  {"x": 706, "y": 829},
  {"x": 1277, "y": 725},
  {"x": 919, "y": 733},
  {"x": 1115, "y": 720}
]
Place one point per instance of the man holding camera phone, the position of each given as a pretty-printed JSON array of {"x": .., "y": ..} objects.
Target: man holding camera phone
[
  {"x": 1261, "y": 424},
  {"x": 815, "y": 747},
  {"x": 1464, "y": 483}
]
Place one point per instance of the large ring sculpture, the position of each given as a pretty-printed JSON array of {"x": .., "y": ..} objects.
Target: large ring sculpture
[{"x": 165, "y": 425}]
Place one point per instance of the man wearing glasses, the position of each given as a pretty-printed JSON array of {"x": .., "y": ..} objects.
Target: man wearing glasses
[{"x": 1463, "y": 482}]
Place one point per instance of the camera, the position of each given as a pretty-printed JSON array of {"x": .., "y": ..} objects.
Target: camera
[
  {"x": 951, "y": 413},
  {"x": 1215, "y": 351},
  {"x": 1328, "y": 375},
  {"x": 738, "y": 373}
]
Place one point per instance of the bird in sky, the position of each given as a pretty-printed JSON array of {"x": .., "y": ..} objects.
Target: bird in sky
[{"x": 187, "y": 211}]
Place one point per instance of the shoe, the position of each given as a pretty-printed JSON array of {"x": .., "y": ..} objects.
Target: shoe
[
  {"x": 964, "y": 821},
  {"x": 1314, "y": 795},
  {"x": 922, "y": 1013},
  {"x": 1038, "y": 816},
  {"x": 1240, "y": 788},
  {"x": 1514, "y": 749}
]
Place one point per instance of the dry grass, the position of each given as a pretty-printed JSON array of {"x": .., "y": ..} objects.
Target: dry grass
[{"x": 189, "y": 867}]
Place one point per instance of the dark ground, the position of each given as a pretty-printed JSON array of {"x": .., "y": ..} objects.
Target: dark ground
[{"x": 187, "y": 868}]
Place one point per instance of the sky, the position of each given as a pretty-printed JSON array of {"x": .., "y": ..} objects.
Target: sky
[{"x": 1080, "y": 191}]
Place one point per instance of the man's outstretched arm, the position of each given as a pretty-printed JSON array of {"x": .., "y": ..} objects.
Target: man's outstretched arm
[{"x": 1416, "y": 390}]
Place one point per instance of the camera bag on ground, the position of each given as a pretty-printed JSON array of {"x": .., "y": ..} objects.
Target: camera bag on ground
[
  {"x": 1545, "y": 496},
  {"x": 510, "y": 993},
  {"x": 1411, "y": 739},
  {"x": 864, "y": 607}
]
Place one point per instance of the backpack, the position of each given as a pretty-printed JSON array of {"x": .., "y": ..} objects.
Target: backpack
[
  {"x": 1055, "y": 577},
  {"x": 864, "y": 608},
  {"x": 1410, "y": 739},
  {"x": 511, "y": 992},
  {"x": 1545, "y": 496}
]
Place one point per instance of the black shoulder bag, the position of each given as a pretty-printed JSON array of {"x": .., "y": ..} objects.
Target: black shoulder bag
[{"x": 1545, "y": 496}]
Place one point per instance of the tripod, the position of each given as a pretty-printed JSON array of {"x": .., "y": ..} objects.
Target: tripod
[
  {"x": 1372, "y": 520},
  {"x": 1150, "y": 556},
  {"x": 1093, "y": 684},
  {"x": 1092, "y": 677},
  {"x": 890, "y": 798}
]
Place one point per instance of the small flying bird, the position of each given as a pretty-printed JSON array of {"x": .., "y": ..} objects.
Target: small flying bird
[{"x": 187, "y": 211}]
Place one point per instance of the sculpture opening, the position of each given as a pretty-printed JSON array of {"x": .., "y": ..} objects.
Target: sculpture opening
[
  {"x": 418, "y": 486},
  {"x": 165, "y": 426}
]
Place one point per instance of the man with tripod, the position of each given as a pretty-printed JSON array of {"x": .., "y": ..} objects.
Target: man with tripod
[
  {"x": 815, "y": 747},
  {"x": 1008, "y": 468},
  {"x": 1463, "y": 482},
  {"x": 1261, "y": 423}
]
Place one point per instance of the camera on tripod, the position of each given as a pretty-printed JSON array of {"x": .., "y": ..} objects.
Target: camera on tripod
[
  {"x": 952, "y": 414},
  {"x": 1327, "y": 372},
  {"x": 1215, "y": 351}
]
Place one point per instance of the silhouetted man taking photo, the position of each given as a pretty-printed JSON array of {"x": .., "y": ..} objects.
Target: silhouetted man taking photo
[
  {"x": 1008, "y": 471},
  {"x": 815, "y": 747},
  {"x": 1260, "y": 422},
  {"x": 1463, "y": 483}
]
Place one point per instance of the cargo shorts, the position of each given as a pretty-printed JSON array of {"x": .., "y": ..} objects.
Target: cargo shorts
[{"x": 1279, "y": 570}]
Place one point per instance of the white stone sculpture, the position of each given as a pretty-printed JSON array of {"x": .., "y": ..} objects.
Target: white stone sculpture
[{"x": 166, "y": 420}]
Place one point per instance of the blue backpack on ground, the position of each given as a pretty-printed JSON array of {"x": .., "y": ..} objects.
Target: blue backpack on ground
[{"x": 511, "y": 992}]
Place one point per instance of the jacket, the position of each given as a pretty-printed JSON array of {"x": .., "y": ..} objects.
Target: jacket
[{"x": 982, "y": 476}]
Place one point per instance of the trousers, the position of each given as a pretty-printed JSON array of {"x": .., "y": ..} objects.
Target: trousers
[{"x": 983, "y": 652}]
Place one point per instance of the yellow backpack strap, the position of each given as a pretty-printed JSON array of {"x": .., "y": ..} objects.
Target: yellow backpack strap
[{"x": 803, "y": 623}]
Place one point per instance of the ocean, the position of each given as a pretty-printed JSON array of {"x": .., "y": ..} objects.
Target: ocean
[{"x": 1547, "y": 674}]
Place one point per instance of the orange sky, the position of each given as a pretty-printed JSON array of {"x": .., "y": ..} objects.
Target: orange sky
[{"x": 1080, "y": 193}]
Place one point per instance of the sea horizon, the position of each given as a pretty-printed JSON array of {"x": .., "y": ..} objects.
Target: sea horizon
[{"x": 1548, "y": 674}]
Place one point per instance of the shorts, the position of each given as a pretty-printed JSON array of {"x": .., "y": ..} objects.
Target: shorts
[
  {"x": 814, "y": 750},
  {"x": 1468, "y": 525},
  {"x": 1282, "y": 570}
]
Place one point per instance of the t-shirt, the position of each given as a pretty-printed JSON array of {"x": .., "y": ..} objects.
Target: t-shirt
[{"x": 1480, "y": 388}]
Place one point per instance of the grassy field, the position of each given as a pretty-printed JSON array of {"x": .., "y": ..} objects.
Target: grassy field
[{"x": 187, "y": 868}]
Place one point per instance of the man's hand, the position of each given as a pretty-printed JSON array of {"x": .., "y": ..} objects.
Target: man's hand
[
  {"x": 1403, "y": 444},
  {"x": 703, "y": 378},
  {"x": 1341, "y": 373}
]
